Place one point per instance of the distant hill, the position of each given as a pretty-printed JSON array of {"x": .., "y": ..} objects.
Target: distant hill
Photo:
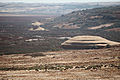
[
  {"x": 103, "y": 21},
  {"x": 47, "y": 9},
  {"x": 25, "y": 34}
]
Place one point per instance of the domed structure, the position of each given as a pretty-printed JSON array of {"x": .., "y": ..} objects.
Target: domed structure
[{"x": 88, "y": 42}]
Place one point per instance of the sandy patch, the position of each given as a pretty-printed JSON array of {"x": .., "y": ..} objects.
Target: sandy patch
[
  {"x": 37, "y": 23},
  {"x": 38, "y": 29},
  {"x": 101, "y": 26}
]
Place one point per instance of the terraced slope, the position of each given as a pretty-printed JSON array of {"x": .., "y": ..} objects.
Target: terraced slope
[
  {"x": 95, "y": 64},
  {"x": 83, "y": 42}
]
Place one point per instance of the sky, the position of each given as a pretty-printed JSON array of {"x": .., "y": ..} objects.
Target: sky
[{"x": 58, "y": 1}]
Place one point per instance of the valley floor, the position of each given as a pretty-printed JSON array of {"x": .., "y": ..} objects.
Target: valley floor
[{"x": 92, "y": 64}]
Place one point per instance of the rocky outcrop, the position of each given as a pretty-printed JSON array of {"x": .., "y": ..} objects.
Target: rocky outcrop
[{"x": 88, "y": 42}]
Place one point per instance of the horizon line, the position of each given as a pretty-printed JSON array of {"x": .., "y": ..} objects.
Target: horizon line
[{"x": 64, "y": 2}]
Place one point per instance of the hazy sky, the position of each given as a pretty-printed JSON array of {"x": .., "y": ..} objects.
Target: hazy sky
[{"x": 58, "y": 1}]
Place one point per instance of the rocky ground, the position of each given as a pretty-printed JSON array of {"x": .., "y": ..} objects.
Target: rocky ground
[{"x": 91, "y": 64}]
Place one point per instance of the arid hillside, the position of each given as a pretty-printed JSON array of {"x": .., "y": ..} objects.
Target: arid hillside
[
  {"x": 88, "y": 64},
  {"x": 103, "y": 21}
]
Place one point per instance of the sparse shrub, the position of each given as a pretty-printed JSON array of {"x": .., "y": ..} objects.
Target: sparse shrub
[
  {"x": 111, "y": 65},
  {"x": 9, "y": 53},
  {"x": 82, "y": 66},
  {"x": 77, "y": 67},
  {"x": 96, "y": 58},
  {"x": 68, "y": 67},
  {"x": 88, "y": 68},
  {"x": 118, "y": 66},
  {"x": 108, "y": 46},
  {"x": 61, "y": 69},
  {"x": 93, "y": 67},
  {"x": 52, "y": 67},
  {"x": 118, "y": 57},
  {"x": 1, "y": 54},
  {"x": 41, "y": 67},
  {"x": 36, "y": 70},
  {"x": 12, "y": 68},
  {"x": 105, "y": 65}
]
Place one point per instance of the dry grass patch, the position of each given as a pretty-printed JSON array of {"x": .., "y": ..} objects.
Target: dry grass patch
[{"x": 101, "y": 26}]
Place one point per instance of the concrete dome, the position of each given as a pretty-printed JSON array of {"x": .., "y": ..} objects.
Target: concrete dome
[{"x": 88, "y": 42}]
